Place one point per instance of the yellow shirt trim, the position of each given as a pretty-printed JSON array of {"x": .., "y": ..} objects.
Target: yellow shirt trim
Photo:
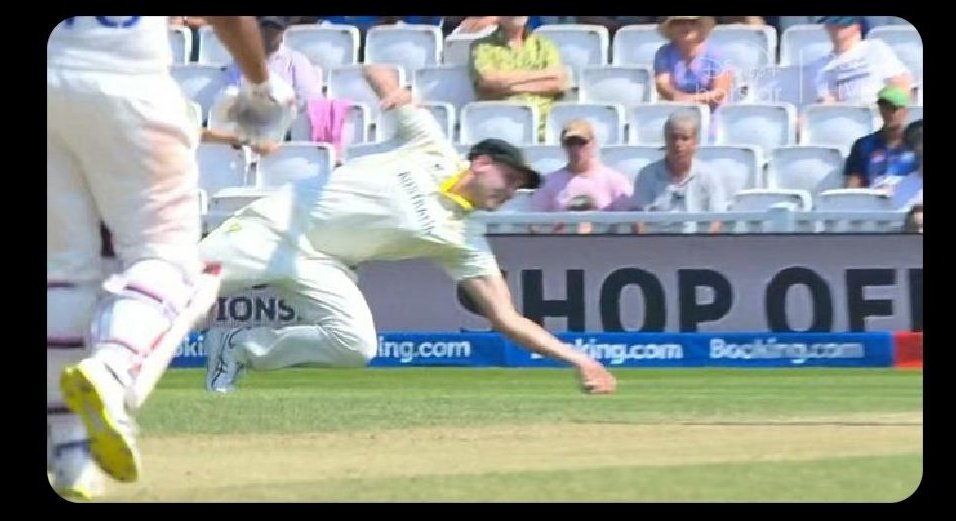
[{"x": 448, "y": 184}]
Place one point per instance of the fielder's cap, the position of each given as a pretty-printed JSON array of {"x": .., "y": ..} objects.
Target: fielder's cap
[
  {"x": 842, "y": 21},
  {"x": 501, "y": 151},
  {"x": 581, "y": 128},
  {"x": 894, "y": 96},
  {"x": 280, "y": 22}
]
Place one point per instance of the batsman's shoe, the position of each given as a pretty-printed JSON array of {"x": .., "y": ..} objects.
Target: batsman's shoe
[
  {"x": 91, "y": 391},
  {"x": 223, "y": 366},
  {"x": 75, "y": 475}
]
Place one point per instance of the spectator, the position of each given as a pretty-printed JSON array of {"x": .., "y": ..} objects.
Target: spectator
[
  {"x": 513, "y": 64},
  {"x": 687, "y": 69},
  {"x": 679, "y": 183},
  {"x": 856, "y": 69},
  {"x": 908, "y": 192},
  {"x": 289, "y": 64},
  {"x": 878, "y": 159},
  {"x": 584, "y": 183},
  {"x": 914, "y": 219}
]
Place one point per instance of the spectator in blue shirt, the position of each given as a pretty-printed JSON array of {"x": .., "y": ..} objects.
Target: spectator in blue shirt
[{"x": 877, "y": 158}]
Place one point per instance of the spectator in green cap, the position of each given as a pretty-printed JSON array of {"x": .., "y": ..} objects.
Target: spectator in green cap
[{"x": 883, "y": 158}]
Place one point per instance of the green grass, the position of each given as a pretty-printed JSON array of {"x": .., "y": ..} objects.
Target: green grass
[
  {"x": 467, "y": 435},
  {"x": 313, "y": 400}
]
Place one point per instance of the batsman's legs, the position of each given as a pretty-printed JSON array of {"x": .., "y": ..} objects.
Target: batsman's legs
[
  {"x": 73, "y": 275},
  {"x": 140, "y": 166}
]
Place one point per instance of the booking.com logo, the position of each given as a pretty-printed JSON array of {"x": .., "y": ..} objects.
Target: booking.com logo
[{"x": 406, "y": 351}]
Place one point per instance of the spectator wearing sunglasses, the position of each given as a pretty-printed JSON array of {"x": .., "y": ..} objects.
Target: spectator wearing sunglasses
[{"x": 585, "y": 183}]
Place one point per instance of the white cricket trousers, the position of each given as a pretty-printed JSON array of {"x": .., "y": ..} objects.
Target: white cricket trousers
[
  {"x": 121, "y": 148},
  {"x": 323, "y": 290}
]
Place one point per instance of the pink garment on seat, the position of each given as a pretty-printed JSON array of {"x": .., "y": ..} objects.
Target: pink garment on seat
[{"x": 327, "y": 118}]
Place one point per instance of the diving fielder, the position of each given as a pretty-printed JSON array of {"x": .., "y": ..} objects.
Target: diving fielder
[
  {"x": 411, "y": 202},
  {"x": 121, "y": 149}
]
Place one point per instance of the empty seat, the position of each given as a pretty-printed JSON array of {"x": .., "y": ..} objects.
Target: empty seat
[
  {"x": 761, "y": 199},
  {"x": 457, "y": 48},
  {"x": 805, "y": 167},
  {"x": 355, "y": 129},
  {"x": 211, "y": 49},
  {"x": 906, "y": 43},
  {"x": 200, "y": 83},
  {"x": 636, "y": 45},
  {"x": 512, "y": 121},
  {"x": 293, "y": 161},
  {"x": 409, "y": 46},
  {"x": 607, "y": 119},
  {"x": 628, "y": 85},
  {"x": 220, "y": 166},
  {"x": 328, "y": 46},
  {"x": 837, "y": 125},
  {"x": 791, "y": 84},
  {"x": 578, "y": 45},
  {"x": 853, "y": 200},
  {"x": 545, "y": 158},
  {"x": 350, "y": 83},
  {"x": 181, "y": 44},
  {"x": 737, "y": 167},
  {"x": 767, "y": 126},
  {"x": 444, "y": 83},
  {"x": 630, "y": 159},
  {"x": 646, "y": 122},
  {"x": 804, "y": 44},
  {"x": 443, "y": 113},
  {"x": 745, "y": 48}
]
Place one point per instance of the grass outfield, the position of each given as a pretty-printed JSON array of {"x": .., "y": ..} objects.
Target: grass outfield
[{"x": 442, "y": 434}]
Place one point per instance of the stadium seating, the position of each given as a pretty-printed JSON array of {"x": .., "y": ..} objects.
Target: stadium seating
[
  {"x": 328, "y": 46},
  {"x": 444, "y": 83},
  {"x": 444, "y": 114},
  {"x": 458, "y": 46},
  {"x": 737, "y": 167},
  {"x": 200, "y": 83},
  {"x": 762, "y": 199},
  {"x": 805, "y": 167},
  {"x": 607, "y": 118},
  {"x": 636, "y": 45},
  {"x": 916, "y": 113},
  {"x": 349, "y": 83},
  {"x": 408, "y": 46},
  {"x": 579, "y": 45},
  {"x": 855, "y": 199},
  {"x": 745, "y": 48},
  {"x": 545, "y": 158},
  {"x": 766, "y": 126},
  {"x": 646, "y": 122},
  {"x": 356, "y": 128},
  {"x": 779, "y": 84},
  {"x": 221, "y": 166},
  {"x": 804, "y": 44},
  {"x": 906, "y": 42},
  {"x": 630, "y": 159},
  {"x": 628, "y": 85},
  {"x": 837, "y": 125},
  {"x": 293, "y": 161},
  {"x": 512, "y": 121},
  {"x": 211, "y": 50}
]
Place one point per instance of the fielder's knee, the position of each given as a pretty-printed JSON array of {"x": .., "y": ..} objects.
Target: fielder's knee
[{"x": 357, "y": 348}]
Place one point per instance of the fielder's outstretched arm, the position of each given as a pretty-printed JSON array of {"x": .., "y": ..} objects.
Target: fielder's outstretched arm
[
  {"x": 385, "y": 84},
  {"x": 491, "y": 294}
]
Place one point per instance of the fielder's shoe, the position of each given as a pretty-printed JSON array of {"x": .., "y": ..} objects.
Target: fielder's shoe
[
  {"x": 223, "y": 366},
  {"x": 75, "y": 475},
  {"x": 92, "y": 391}
]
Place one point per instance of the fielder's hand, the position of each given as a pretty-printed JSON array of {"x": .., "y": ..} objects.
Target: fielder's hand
[
  {"x": 595, "y": 379},
  {"x": 263, "y": 112}
]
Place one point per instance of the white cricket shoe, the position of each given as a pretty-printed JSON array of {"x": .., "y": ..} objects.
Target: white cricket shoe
[
  {"x": 75, "y": 474},
  {"x": 223, "y": 366},
  {"x": 91, "y": 390}
]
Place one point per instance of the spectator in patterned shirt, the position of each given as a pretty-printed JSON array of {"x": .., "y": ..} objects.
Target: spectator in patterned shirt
[
  {"x": 882, "y": 158},
  {"x": 513, "y": 64}
]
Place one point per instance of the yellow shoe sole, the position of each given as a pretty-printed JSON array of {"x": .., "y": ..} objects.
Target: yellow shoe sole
[
  {"x": 75, "y": 493},
  {"x": 113, "y": 450}
]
